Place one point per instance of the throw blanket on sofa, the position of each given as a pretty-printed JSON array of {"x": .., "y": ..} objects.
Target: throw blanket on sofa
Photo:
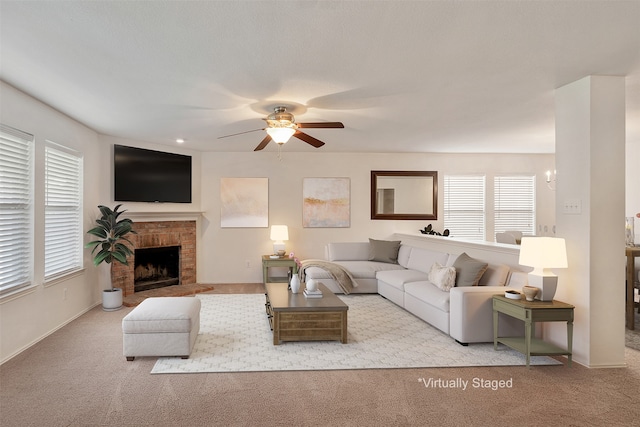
[{"x": 343, "y": 278}]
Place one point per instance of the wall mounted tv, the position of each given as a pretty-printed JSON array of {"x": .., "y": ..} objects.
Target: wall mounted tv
[{"x": 150, "y": 176}]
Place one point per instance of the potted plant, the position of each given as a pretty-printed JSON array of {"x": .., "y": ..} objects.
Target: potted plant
[{"x": 111, "y": 233}]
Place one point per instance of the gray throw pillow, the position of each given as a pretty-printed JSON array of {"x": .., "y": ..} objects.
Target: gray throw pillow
[
  {"x": 468, "y": 270},
  {"x": 384, "y": 250}
]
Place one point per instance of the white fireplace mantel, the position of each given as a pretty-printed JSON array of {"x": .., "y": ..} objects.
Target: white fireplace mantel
[{"x": 164, "y": 216}]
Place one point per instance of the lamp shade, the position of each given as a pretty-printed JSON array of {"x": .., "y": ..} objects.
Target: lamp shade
[
  {"x": 281, "y": 134},
  {"x": 279, "y": 233},
  {"x": 543, "y": 252}
]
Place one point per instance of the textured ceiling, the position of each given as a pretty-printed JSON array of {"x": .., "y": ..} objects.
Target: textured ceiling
[{"x": 403, "y": 76}]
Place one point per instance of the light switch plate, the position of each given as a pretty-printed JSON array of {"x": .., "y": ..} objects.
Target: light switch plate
[{"x": 572, "y": 206}]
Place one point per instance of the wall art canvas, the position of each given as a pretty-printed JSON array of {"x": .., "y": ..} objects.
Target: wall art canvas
[
  {"x": 244, "y": 202},
  {"x": 326, "y": 203}
]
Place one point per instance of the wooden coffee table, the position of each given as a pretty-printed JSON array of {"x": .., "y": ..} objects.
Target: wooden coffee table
[{"x": 293, "y": 317}]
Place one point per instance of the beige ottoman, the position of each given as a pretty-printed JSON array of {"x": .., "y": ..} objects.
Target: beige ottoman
[{"x": 166, "y": 326}]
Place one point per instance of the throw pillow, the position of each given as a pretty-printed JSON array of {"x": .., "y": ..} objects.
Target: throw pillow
[
  {"x": 443, "y": 277},
  {"x": 468, "y": 270},
  {"x": 384, "y": 250}
]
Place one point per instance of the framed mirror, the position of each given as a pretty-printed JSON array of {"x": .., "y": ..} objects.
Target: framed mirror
[{"x": 404, "y": 195}]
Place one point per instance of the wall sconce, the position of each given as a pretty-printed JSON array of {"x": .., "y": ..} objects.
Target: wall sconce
[
  {"x": 551, "y": 179},
  {"x": 279, "y": 233},
  {"x": 543, "y": 253}
]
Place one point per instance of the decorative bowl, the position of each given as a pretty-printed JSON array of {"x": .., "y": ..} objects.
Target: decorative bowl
[
  {"x": 513, "y": 294},
  {"x": 530, "y": 292}
]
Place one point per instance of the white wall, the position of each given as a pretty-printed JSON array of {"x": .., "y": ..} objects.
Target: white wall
[
  {"x": 226, "y": 251},
  {"x": 37, "y": 311},
  {"x": 222, "y": 253}
]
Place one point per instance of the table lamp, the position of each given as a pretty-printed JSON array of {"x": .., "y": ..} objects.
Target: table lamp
[
  {"x": 543, "y": 253},
  {"x": 279, "y": 233}
]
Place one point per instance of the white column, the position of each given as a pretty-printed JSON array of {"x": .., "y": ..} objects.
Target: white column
[{"x": 590, "y": 164}]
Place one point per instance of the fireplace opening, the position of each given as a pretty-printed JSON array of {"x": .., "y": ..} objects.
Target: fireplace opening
[{"x": 156, "y": 268}]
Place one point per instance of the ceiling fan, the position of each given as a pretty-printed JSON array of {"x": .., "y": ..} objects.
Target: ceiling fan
[{"x": 281, "y": 126}]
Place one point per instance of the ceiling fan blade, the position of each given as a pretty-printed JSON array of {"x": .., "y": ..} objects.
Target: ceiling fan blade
[
  {"x": 321, "y": 125},
  {"x": 308, "y": 139},
  {"x": 239, "y": 133},
  {"x": 263, "y": 143}
]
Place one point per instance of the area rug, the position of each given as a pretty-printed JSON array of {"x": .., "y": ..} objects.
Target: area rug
[{"x": 235, "y": 337}]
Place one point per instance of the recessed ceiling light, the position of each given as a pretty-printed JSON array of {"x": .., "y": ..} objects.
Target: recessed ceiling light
[{"x": 179, "y": 140}]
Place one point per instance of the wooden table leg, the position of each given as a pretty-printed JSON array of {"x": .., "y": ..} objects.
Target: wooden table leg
[
  {"x": 570, "y": 340},
  {"x": 276, "y": 328},
  {"x": 495, "y": 329},
  {"x": 630, "y": 301},
  {"x": 344, "y": 327},
  {"x": 527, "y": 340}
]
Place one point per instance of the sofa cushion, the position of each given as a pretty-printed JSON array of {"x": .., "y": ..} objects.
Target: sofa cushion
[
  {"x": 496, "y": 275},
  {"x": 347, "y": 251},
  {"x": 422, "y": 259},
  {"x": 443, "y": 277},
  {"x": 367, "y": 269},
  {"x": 468, "y": 270},
  {"x": 397, "y": 278},
  {"x": 403, "y": 255},
  {"x": 429, "y": 294},
  {"x": 384, "y": 250}
]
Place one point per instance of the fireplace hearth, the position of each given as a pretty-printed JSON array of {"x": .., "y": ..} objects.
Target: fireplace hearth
[
  {"x": 157, "y": 236},
  {"x": 156, "y": 268}
]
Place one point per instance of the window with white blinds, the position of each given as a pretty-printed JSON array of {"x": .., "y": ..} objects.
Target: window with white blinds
[
  {"x": 514, "y": 204},
  {"x": 464, "y": 206},
  {"x": 63, "y": 211},
  {"x": 16, "y": 208}
]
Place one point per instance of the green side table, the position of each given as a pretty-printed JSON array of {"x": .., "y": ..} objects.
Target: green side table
[
  {"x": 284, "y": 261},
  {"x": 531, "y": 312}
]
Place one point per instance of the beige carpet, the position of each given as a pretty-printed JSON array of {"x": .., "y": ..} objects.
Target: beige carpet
[
  {"x": 78, "y": 377},
  {"x": 235, "y": 337},
  {"x": 632, "y": 338}
]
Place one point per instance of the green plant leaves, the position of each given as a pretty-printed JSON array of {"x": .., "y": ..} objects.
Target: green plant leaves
[{"x": 111, "y": 235}]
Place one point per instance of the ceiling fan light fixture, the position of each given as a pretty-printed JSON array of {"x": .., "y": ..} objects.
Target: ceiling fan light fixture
[
  {"x": 281, "y": 134},
  {"x": 280, "y": 117}
]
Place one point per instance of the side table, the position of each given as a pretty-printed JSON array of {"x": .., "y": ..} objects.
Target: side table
[
  {"x": 531, "y": 312},
  {"x": 284, "y": 261},
  {"x": 631, "y": 252}
]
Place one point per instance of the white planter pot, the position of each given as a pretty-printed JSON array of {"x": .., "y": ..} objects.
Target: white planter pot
[{"x": 112, "y": 299}]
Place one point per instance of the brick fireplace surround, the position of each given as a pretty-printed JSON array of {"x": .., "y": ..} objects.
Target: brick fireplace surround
[{"x": 154, "y": 235}]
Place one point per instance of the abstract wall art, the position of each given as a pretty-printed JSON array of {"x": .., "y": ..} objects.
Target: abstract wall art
[
  {"x": 244, "y": 202},
  {"x": 326, "y": 203}
]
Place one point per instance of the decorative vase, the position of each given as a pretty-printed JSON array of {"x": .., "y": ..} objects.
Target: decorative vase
[
  {"x": 530, "y": 292},
  {"x": 295, "y": 284},
  {"x": 112, "y": 299},
  {"x": 311, "y": 285},
  {"x": 628, "y": 231}
]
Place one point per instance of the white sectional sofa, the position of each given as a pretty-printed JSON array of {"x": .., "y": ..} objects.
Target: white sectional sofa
[{"x": 464, "y": 311}]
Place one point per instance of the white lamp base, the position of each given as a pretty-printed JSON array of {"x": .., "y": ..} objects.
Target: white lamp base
[
  {"x": 546, "y": 284},
  {"x": 278, "y": 248}
]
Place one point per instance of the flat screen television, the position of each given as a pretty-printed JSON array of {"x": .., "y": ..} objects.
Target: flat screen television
[{"x": 150, "y": 176}]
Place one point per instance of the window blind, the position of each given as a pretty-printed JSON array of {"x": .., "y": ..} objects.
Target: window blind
[
  {"x": 63, "y": 210},
  {"x": 16, "y": 207},
  {"x": 514, "y": 204},
  {"x": 464, "y": 206}
]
